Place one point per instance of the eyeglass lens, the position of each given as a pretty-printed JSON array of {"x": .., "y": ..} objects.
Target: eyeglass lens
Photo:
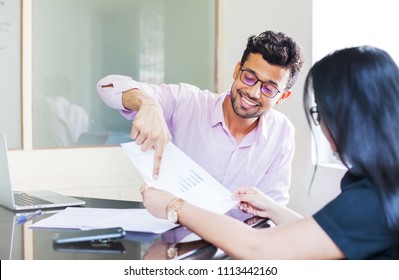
[{"x": 250, "y": 79}]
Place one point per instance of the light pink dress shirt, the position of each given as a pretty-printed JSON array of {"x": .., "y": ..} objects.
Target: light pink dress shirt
[{"x": 196, "y": 123}]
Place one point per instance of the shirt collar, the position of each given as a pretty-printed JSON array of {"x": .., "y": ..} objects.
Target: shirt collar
[
  {"x": 216, "y": 115},
  {"x": 262, "y": 132}
]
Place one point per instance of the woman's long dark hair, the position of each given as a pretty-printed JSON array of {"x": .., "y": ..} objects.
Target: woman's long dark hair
[{"x": 357, "y": 95}]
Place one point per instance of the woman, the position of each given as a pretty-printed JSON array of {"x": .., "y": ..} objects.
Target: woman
[{"x": 356, "y": 91}]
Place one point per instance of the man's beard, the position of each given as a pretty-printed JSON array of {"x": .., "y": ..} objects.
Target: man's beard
[{"x": 242, "y": 112}]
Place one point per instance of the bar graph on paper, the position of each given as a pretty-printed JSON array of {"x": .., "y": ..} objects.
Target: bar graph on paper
[
  {"x": 181, "y": 176},
  {"x": 190, "y": 181}
]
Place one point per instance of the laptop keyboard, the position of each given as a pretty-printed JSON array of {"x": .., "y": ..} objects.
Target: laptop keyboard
[{"x": 23, "y": 199}]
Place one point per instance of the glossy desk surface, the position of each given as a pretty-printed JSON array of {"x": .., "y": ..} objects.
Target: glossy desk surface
[{"x": 21, "y": 242}]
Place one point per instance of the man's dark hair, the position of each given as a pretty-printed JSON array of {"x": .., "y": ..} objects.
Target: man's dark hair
[{"x": 277, "y": 49}]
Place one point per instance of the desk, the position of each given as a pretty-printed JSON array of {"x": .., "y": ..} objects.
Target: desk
[{"x": 19, "y": 242}]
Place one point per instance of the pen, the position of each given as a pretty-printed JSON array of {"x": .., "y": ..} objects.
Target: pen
[{"x": 30, "y": 216}]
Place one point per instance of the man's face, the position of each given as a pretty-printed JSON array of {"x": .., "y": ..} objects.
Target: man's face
[{"x": 249, "y": 101}]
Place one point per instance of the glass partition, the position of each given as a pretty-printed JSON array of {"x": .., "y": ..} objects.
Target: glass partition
[
  {"x": 10, "y": 72},
  {"x": 77, "y": 42}
]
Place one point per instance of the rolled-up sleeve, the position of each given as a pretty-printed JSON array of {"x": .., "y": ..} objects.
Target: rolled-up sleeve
[{"x": 112, "y": 96}]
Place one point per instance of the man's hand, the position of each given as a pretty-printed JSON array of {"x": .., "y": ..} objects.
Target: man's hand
[{"x": 149, "y": 128}]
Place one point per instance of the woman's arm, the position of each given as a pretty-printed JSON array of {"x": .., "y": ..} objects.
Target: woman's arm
[{"x": 302, "y": 239}]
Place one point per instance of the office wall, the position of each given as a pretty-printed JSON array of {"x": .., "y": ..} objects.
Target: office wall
[
  {"x": 106, "y": 172},
  {"x": 242, "y": 18}
]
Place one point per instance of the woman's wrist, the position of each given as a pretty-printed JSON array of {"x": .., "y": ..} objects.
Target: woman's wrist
[
  {"x": 173, "y": 209},
  {"x": 282, "y": 215},
  {"x": 276, "y": 213}
]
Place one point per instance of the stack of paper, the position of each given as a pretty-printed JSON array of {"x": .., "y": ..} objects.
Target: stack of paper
[{"x": 139, "y": 220}]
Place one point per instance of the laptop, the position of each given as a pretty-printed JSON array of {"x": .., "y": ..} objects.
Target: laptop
[{"x": 27, "y": 201}]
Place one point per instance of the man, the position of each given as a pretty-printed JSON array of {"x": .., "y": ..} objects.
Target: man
[{"x": 236, "y": 135}]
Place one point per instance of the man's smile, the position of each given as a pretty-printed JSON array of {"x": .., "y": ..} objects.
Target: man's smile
[{"x": 246, "y": 102}]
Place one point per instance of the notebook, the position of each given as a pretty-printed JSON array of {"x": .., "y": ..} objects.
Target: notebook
[{"x": 26, "y": 201}]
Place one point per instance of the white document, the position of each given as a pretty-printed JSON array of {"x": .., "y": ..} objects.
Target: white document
[
  {"x": 137, "y": 220},
  {"x": 181, "y": 176}
]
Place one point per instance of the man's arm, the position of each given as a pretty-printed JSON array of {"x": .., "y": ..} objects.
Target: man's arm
[{"x": 149, "y": 128}]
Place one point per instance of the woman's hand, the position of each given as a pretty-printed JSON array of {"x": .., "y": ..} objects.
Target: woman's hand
[
  {"x": 255, "y": 202},
  {"x": 156, "y": 201}
]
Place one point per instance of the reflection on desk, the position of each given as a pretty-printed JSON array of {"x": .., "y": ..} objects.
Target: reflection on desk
[
  {"x": 20, "y": 242},
  {"x": 109, "y": 247}
]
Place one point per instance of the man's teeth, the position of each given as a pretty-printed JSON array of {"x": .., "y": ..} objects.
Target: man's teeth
[{"x": 248, "y": 102}]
